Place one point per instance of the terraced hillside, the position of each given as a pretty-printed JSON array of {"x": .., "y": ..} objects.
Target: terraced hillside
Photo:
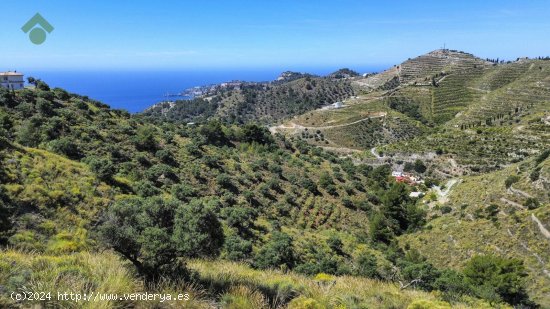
[
  {"x": 415, "y": 102},
  {"x": 422, "y": 69},
  {"x": 508, "y": 93},
  {"x": 478, "y": 115},
  {"x": 480, "y": 150},
  {"x": 504, "y": 212},
  {"x": 452, "y": 94},
  {"x": 363, "y": 122},
  {"x": 437, "y": 62}
]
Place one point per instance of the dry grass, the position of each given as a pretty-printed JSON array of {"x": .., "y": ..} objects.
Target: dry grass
[{"x": 290, "y": 290}]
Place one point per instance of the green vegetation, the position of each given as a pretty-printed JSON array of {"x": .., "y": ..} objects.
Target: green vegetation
[
  {"x": 159, "y": 194},
  {"x": 492, "y": 215},
  {"x": 96, "y": 199},
  {"x": 259, "y": 102},
  {"x": 497, "y": 277},
  {"x": 153, "y": 233}
]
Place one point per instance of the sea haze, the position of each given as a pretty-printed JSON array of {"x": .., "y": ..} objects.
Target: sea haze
[{"x": 137, "y": 90}]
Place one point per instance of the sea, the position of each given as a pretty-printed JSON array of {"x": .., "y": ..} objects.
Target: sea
[{"x": 135, "y": 91}]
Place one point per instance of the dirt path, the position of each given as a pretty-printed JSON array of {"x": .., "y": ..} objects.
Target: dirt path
[
  {"x": 507, "y": 201},
  {"x": 380, "y": 115},
  {"x": 373, "y": 151},
  {"x": 442, "y": 195},
  {"x": 542, "y": 229},
  {"x": 480, "y": 90},
  {"x": 341, "y": 149},
  {"x": 519, "y": 192},
  {"x": 294, "y": 126}
]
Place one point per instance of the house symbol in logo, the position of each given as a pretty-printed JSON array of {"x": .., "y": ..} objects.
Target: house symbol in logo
[{"x": 38, "y": 27}]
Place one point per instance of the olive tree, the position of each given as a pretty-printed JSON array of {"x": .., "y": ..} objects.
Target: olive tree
[{"x": 157, "y": 234}]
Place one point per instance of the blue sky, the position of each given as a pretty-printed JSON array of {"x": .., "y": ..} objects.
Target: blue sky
[{"x": 178, "y": 34}]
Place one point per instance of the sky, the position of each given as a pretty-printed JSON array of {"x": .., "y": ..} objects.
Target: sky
[{"x": 252, "y": 34}]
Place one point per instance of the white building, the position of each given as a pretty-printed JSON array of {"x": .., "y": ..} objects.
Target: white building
[
  {"x": 337, "y": 105},
  {"x": 12, "y": 80},
  {"x": 416, "y": 194}
]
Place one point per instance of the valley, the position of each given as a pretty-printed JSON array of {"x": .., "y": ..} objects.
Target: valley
[{"x": 344, "y": 191}]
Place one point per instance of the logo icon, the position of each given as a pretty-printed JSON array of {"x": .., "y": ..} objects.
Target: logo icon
[{"x": 37, "y": 35}]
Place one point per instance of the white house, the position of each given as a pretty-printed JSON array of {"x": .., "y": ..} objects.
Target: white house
[
  {"x": 336, "y": 105},
  {"x": 12, "y": 80},
  {"x": 416, "y": 194}
]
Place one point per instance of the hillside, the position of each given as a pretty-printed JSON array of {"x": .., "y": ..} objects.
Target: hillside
[
  {"x": 423, "y": 69},
  {"x": 292, "y": 95},
  {"x": 470, "y": 126},
  {"x": 444, "y": 102},
  {"x": 234, "y": 285},
  {"x": 110, "y": 202},
  {"x": 305, "y": 214},
  {"x": 504, "y": 212}
]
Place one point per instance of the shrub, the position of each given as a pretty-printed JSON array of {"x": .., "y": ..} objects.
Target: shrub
[
  {"x": 535, "y": 174},
  {"x": 424, "y": 272},
  {"x": 335, "y": 244},
  {"x": 237, "y": 248},
  {"x": 145, "y": 138},
  {"x": 309, "y": 185},
  {"x": 6, "y": 97},
  {"x": 184, "y": 192},
  {"x": 278, "y": 252},
  {"x": 492, "y": 211},
  {"x": 532, "y": 203},
  {"x": 367, "y": 266},
  {"x": 331, "y": 189},
  {"x": 5, "y": 218},
  {"x": 145, "y": 188},
  {"x": 379, "y": 229},
  {"x": 103, "y": 168},
  {"x": 197, "y": 231},
  {"x": 61, "y": 94},
  {"x": 240, "y": 218},
  {"x": 419, "y": 166},
  {"x": 452, "y": 284},
  {"x": 158, "y": 171},
  {"x": 65, "y": 146},
  {"x": 152, "y": 233},
  {"x": 213, "y": 132},
  {"x": 223, "y": 180},
  {"x": 252, "y": 133},
  {"x": 543, "y": 156},
  {"x": 325, "y": 180},
  {"x": 165, "y": 156},
  {"x": 491, "y": 274},
  {"x": 30, "y": 134},
  {"x": 512, "y": 179}
]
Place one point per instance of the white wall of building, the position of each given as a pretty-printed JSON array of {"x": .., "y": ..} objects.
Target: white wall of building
[{"x": 12, "y": 80}]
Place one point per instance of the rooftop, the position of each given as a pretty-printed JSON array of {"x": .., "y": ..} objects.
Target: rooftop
[{"x": 11, "y": 74}]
